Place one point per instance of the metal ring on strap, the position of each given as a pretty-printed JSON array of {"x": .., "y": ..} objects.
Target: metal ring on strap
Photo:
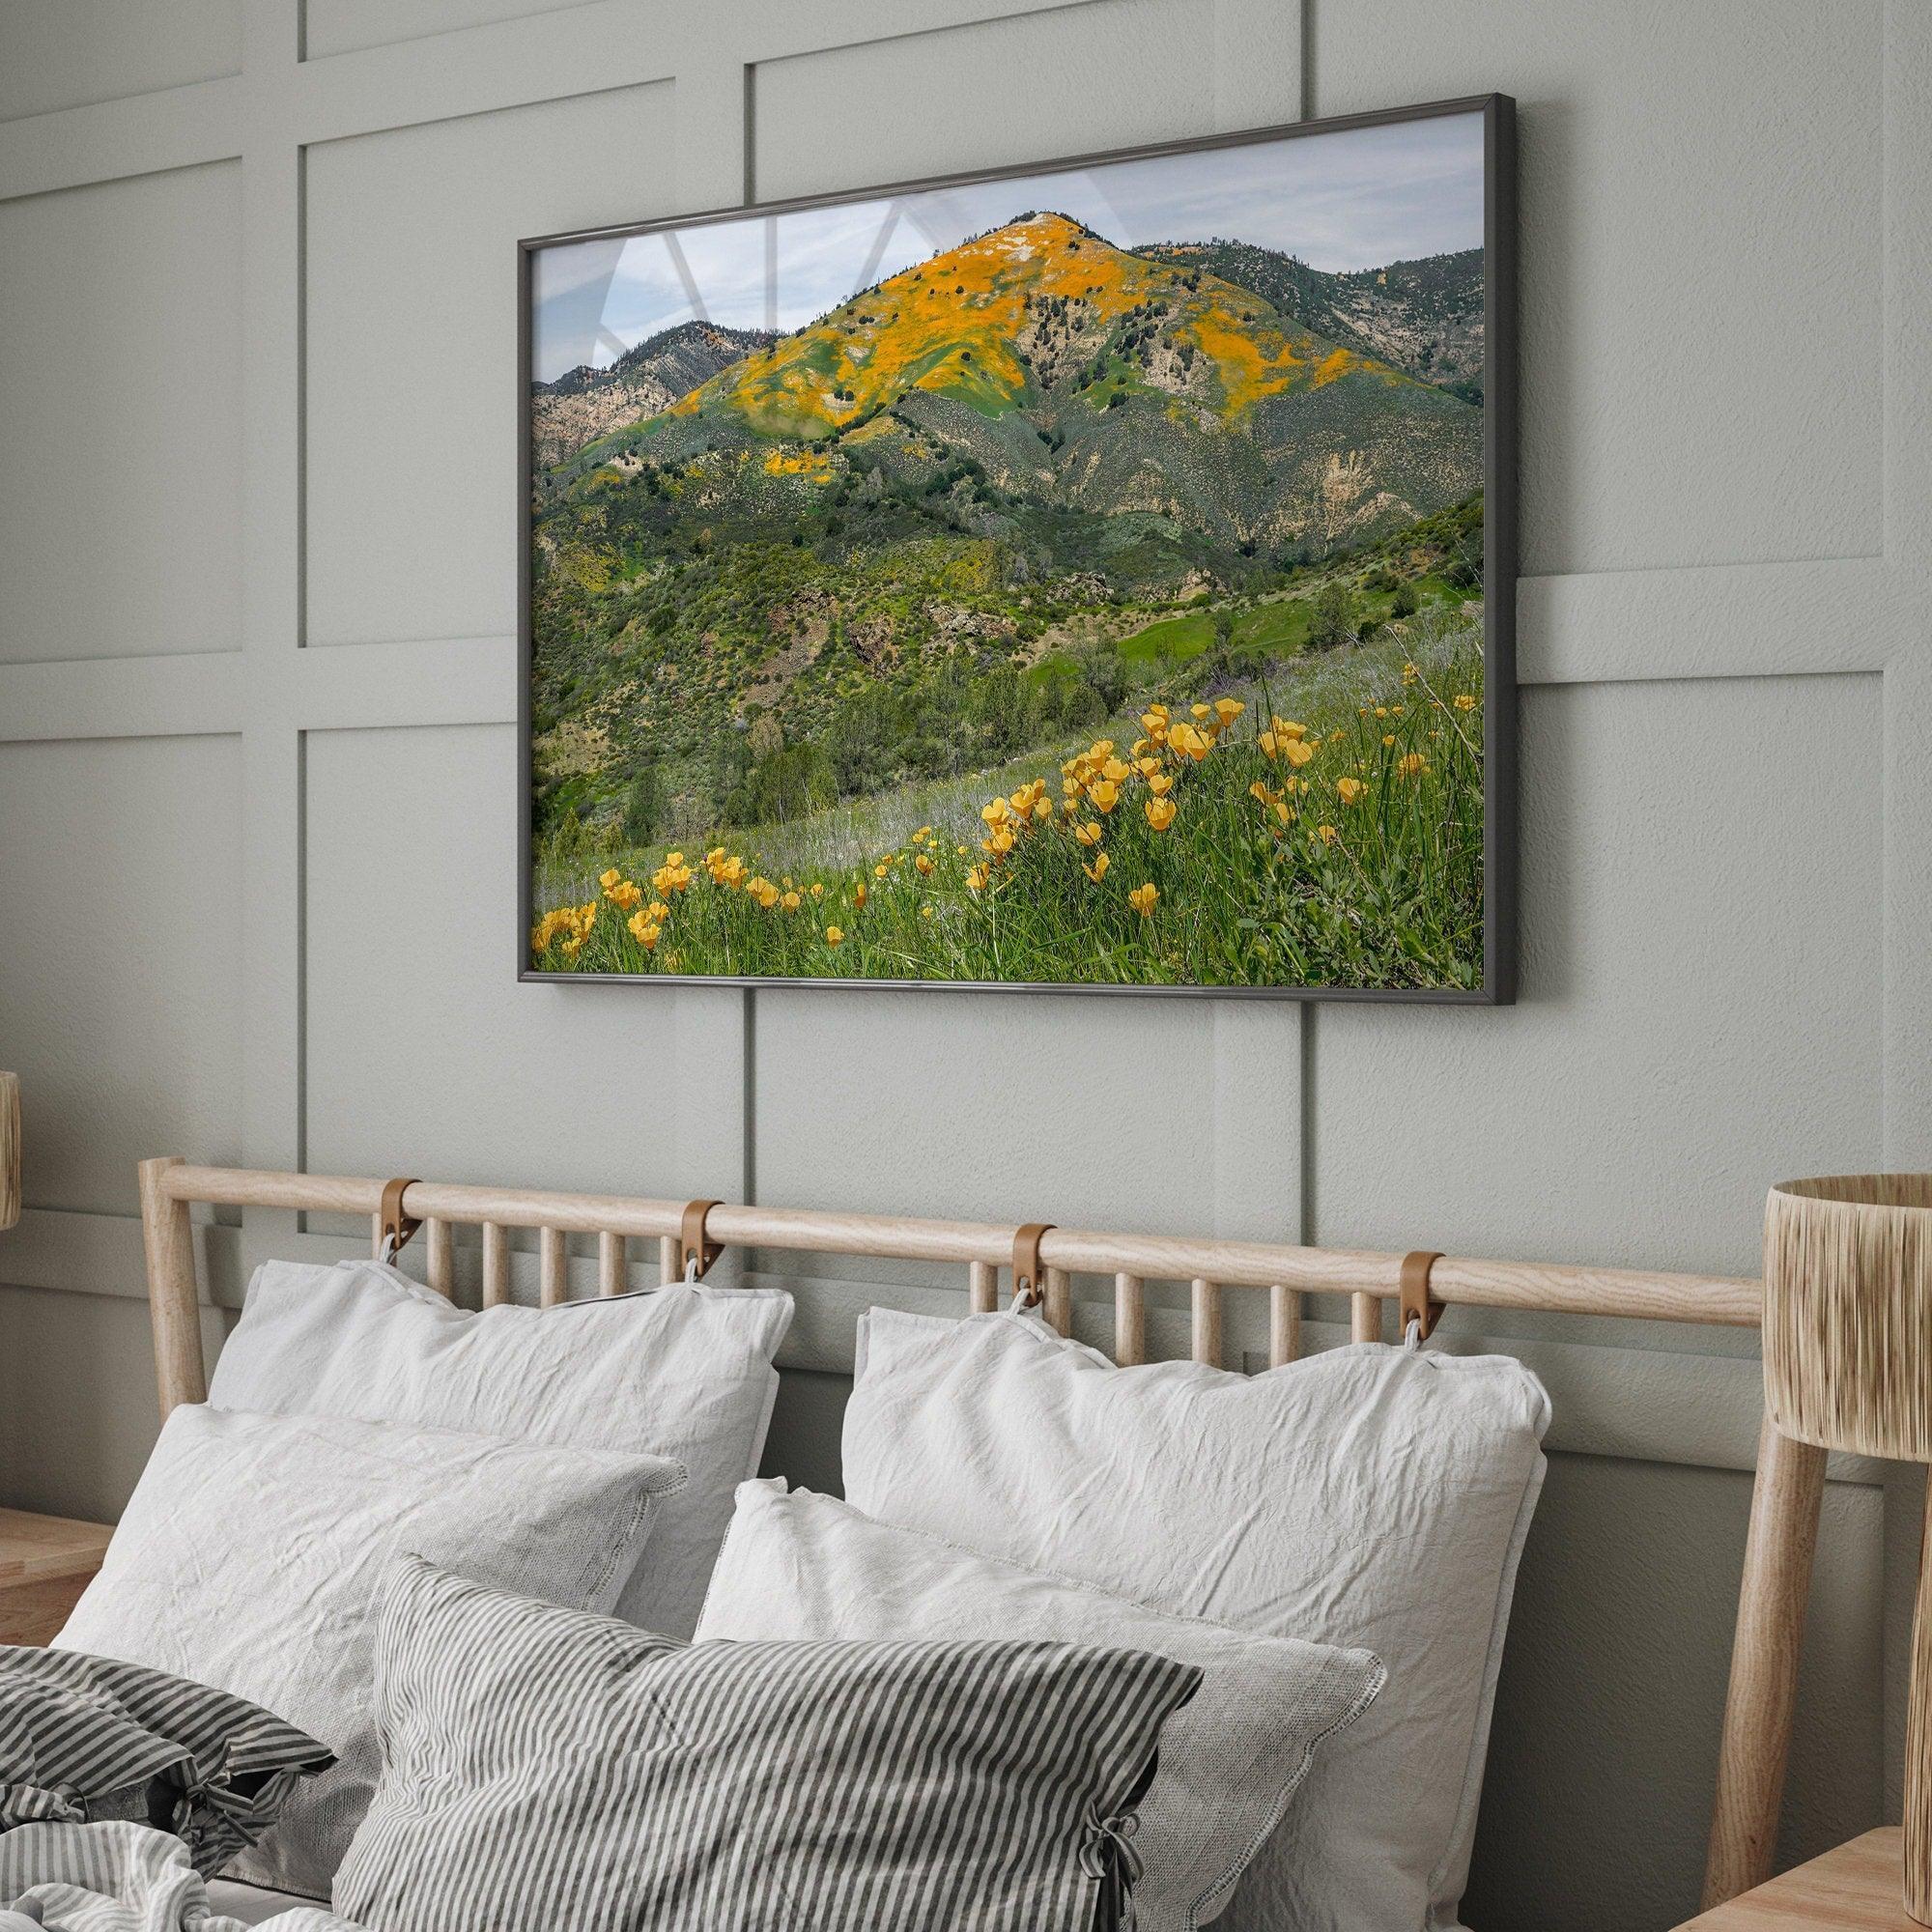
[
  {"x": 394, "y": 1225},
  {"x": 1418, "y": 1305},
  {"x": 696, "y": 1249},
  {"x": 1029, "y": 1282}
]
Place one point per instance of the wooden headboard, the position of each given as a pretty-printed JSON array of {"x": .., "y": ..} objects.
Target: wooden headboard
[{"x": 1785, "y": 1498}]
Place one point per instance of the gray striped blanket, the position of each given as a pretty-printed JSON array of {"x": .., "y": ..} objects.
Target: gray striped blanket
[{"x": 119, "y": 1877}]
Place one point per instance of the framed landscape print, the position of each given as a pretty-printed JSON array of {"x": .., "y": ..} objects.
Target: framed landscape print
[{"x": 1095, "y": 575}]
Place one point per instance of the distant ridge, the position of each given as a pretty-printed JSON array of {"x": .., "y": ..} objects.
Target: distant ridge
[{"x": 585, "y": 403}]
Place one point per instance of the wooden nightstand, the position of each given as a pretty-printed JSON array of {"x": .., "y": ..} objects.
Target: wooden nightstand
[
  {"x": 46, "y": 1563},
  {"x": 1856, "y": 1889}
]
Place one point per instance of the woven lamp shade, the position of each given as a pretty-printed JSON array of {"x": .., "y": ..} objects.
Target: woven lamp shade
[
  {"x": 10, "y": 1148},
  {"x": 1848, "y": 1313}
]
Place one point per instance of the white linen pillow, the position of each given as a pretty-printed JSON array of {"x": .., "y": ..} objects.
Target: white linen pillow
[
  {"x": 684, "y": 1371},
  {"x": 807, "y": 1567},
  {"x": 253, "y": 1553},
  {"x": 1370, "y": 1495}
]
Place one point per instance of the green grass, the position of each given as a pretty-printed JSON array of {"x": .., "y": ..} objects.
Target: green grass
[{"x": 1390, "y": 895}]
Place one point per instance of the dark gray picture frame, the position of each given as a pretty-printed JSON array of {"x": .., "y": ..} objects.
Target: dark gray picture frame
[{"x": 1500, "y": 548}]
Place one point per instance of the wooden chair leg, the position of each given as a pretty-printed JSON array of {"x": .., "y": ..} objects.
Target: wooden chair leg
[{"x": 1785, "y": 1501}]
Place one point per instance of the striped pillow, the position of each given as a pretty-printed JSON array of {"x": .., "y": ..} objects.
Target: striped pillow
[
  {"x": 86, "y": 1738},
  {"x": 549, "y": 1771}
]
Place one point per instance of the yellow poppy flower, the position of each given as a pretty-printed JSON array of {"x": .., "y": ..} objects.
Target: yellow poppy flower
[
  {"x": 817, "y": 890},
  {"x": 1326, "y": 834},
  {"x": 833, "y": 937},
  {"x": 1199, "y": 710},
  {"x": 1098, "y": 870},
  {"x": 1161, "y": 784},
  {"x": 609, "y": 879},
  {"x": 1228, "y": 709},
  {"x": 1143, "y": 899},
  {"x": 880, "y": 871},
  {"x": 923, "y": 862},
  {"x": 790, "y": 901},
  {"x": 859, "y": 894},
  {"x": 1388, "y": 737},
  {"x": 1190, "y": 739},
  {"x": 1103, "y": 794},
  {"x": 1161, "y": 812},
  {"x": 1298, "y": 750},
  {"x": 1088, "y": 834},
  {"x": 1116, "y": 770},
  {"x": 644, "y": 931},
  {"x": 1465, "y": 702},
  {"x": 1348, "y": 790},
  {"x": 1411, "y": 764},
  {"x": 976, "y": 877}
]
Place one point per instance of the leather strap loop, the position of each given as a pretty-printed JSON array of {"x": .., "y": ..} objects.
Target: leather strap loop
[
  {"x": 695, "y": 1247},
  {"x": 1029, "y": 1280},
  {"x": 395, "y": 1226},
  {"x": 1418, "y": 1305}
]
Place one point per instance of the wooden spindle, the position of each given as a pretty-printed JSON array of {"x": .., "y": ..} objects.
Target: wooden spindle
[
  {"x": 1365, "y": 1318},
  {"x": 1283, "y": 1325},
  {"x": 496, "y": 1264},
  {"x": 669, "y": 1269},
  {"x": 441, "y": 1237},
  {"x": 610, "y": 1274},
  {"x": 983, "y": 1286},
  {"x": 1129, "y": 1320},
  {"x": 1207, "y": 1323},
  {"x": 1059, "y": 1308},
  {"x": 553, "y": 1267}
]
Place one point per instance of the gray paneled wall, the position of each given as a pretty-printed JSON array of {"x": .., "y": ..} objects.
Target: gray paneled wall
[{"x": 256, "y": 759}]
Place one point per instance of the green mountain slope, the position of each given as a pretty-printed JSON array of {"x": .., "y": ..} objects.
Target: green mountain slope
[{"x": 1423, "y": 317}]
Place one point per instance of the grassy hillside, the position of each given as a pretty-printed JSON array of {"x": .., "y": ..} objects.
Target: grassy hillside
[{"x": 1318, "y": 823}]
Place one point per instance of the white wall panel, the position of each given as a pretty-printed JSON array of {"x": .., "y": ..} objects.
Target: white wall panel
[
  {"x": 1091, "y": 1112},
  {"x": 342, "y": 26},
  {"x": 1702, "y": 274},
  {"x": 422, "y": 1044},
  {"x": 78, "y": 1409},
  {"x": 1606, "y": 1732},
  {"x": 986, "y": 95},
  {"x": 411, "y": 383},
  {"x": 119, "y": 417},
  {"x": 72, "y": 53},
  {"x": 1700, "y": 999},
  {"x": 120, "y": 959}
]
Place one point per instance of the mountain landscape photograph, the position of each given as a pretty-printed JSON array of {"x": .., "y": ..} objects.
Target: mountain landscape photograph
[{"x": 1073, "y": 578}]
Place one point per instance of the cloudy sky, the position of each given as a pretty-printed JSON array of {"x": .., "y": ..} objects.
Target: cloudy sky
[{"x": 1351, "y": 200}]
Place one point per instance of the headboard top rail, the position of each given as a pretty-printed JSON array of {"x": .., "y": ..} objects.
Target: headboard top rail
[{"x": 1557, "y": 1287}]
